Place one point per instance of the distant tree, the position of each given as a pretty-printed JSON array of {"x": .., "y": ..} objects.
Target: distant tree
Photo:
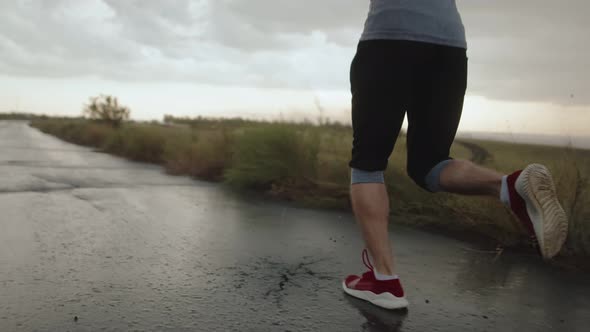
[
  {"x": 168, "y": 119},
  {"x": 107, "y": 109}
]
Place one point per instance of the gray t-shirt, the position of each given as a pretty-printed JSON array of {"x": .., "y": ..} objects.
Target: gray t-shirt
[{"x": 431, "y": 21}]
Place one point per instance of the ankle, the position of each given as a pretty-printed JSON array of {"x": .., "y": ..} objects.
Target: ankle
[
  {"x": 384, "y": 277},
  {"x": 504, "y": 192},
  {"x": 383, "y": 269}
]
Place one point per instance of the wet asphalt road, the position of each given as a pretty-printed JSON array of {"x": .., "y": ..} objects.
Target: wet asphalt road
[{"x": 124, "y": 247}]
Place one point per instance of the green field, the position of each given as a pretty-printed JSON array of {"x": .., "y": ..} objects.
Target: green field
[{"x": 307, "y": 164}]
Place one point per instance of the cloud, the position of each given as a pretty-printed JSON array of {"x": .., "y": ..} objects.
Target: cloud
[
  {"x": 529, "y": 50},
  {"x": 261, "y": 24},
  {"x": 525, "y": 50}
]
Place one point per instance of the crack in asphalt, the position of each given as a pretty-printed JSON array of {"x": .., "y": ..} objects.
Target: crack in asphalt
[
  {"x": 44, "y": 149},
  {"x": 59, "y": 182},
  {"x": 35, "y": 164},
  {"x": 45, "y": 190},
  {"x": 89, "y": 201},
  {"x": 290, "y": 274},
  {"x": 277, "y": 277}
]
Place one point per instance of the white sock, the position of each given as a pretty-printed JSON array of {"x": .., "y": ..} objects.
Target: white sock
[
  {"x": 384, "y": 277},
  {"x": 504, "y": 194}
]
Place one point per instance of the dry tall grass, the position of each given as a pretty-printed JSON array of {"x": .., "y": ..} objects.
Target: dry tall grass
[{"x": 309, "y": 164}]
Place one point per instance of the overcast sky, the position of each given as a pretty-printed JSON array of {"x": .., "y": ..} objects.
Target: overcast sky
[{"x": 207, "y": 56}]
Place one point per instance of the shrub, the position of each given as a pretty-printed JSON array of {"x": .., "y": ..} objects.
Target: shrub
[
  {"x": 107, "y": 109},
  {"x": 139, "y": 143},
  {"x": 277, "y": 155},
  {"x": 206, "y": 157}
]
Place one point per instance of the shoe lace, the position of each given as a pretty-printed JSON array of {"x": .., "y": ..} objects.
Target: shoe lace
[{"x": 367, "y": 260}]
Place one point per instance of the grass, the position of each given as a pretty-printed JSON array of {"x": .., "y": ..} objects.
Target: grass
[
  {"x": 308, "y": 164},
  {"x": 273, "y": 158},
  {"x": 205, "y": 156}
]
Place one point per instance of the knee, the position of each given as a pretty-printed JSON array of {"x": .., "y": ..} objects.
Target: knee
[
  {"x": 418, "y": 175},
  {"x": 427, "y": 174}
]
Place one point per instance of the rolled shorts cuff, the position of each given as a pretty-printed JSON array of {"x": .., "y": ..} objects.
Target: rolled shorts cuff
[{"x": 359, "y": 176}]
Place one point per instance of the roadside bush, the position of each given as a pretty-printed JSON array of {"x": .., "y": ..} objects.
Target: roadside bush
[
  {"x": 273, "y": 156},
  {"x": 140, "y": 143},
  {"x": 205, "y": 157}
]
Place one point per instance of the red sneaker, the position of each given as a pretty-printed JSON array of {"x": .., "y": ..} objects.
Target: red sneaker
[
  {"x": 385, "y": 294},
  {"x": 534, "y": 201}
]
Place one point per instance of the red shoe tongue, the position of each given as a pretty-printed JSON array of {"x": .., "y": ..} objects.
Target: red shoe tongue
[{"x": 517, "y": 203}]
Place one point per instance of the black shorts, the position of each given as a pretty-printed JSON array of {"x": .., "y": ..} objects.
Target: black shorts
[{"x": 390, "y": 78}]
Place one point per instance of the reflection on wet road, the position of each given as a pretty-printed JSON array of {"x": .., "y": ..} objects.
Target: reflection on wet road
[{"x": 124, "y": 247}]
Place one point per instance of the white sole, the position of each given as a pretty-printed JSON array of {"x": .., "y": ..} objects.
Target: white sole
[
  {"x": 535, "y": 185},
  {"x": 385, "y": 300}
]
